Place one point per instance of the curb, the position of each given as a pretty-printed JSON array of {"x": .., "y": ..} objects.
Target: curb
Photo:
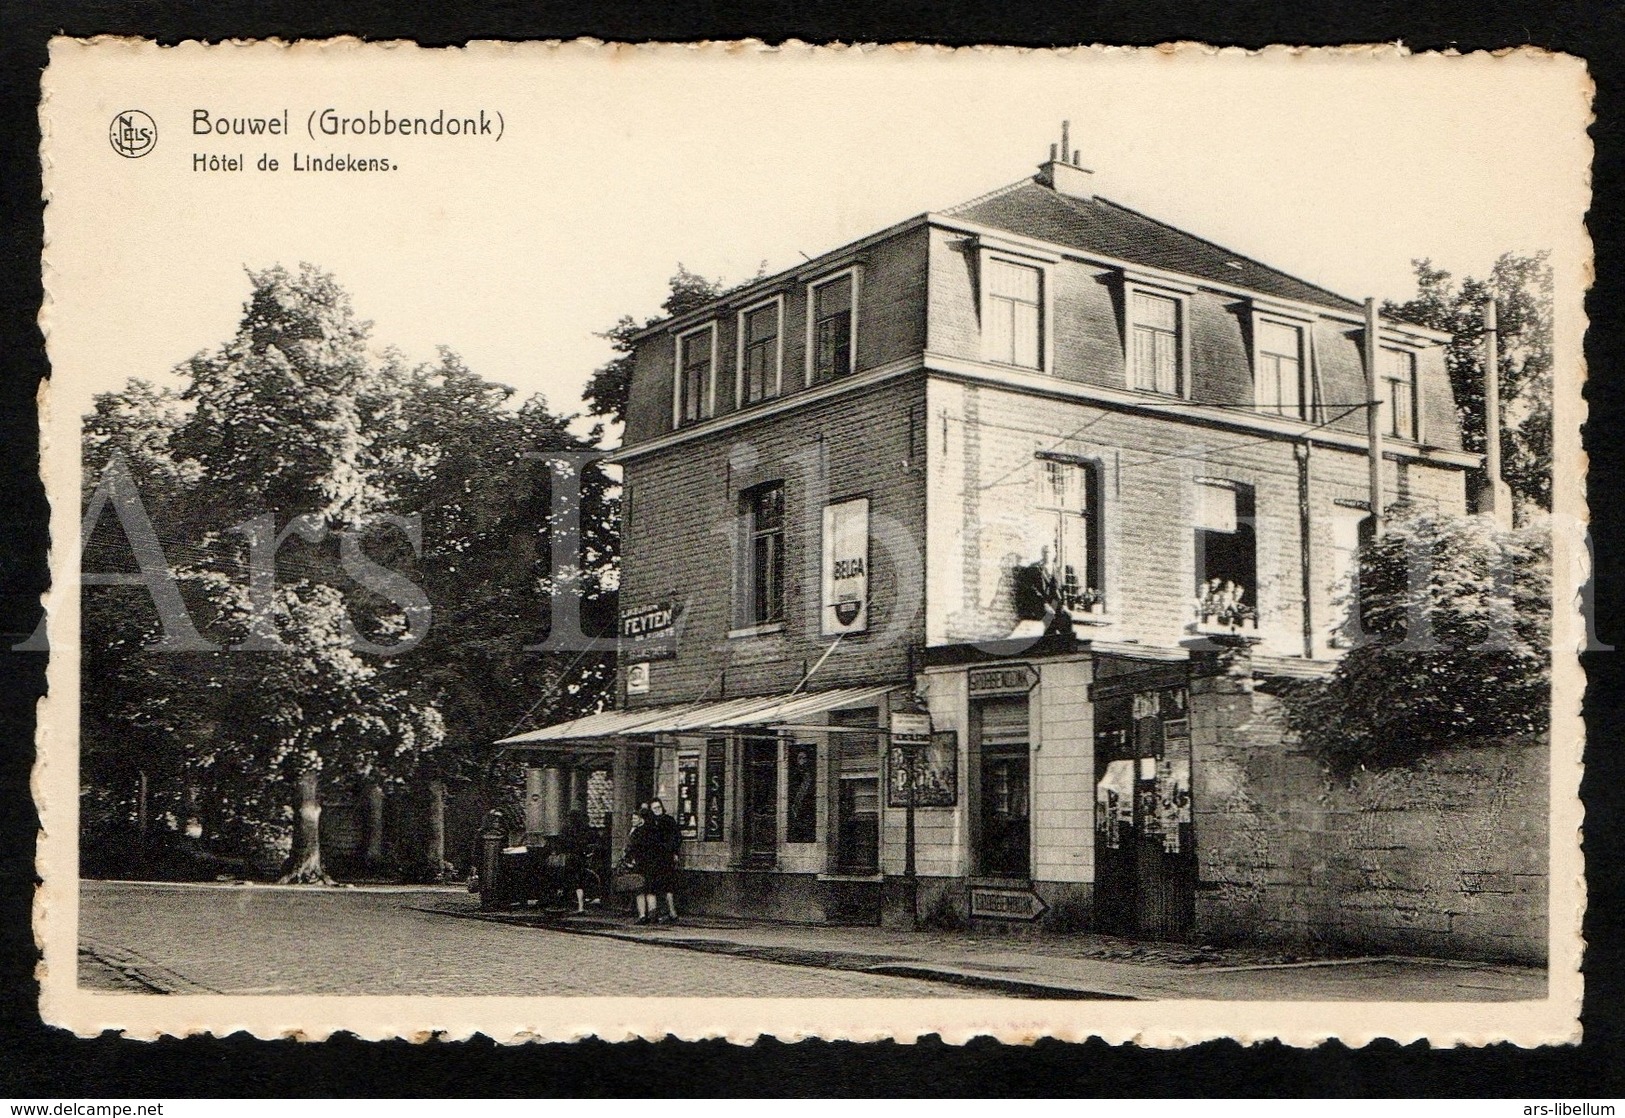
[{"x": 889, "y": 966}]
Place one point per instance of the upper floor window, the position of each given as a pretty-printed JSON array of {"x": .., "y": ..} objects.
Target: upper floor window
[
  {"x": 1155, "y": 343},
  {"x": 1279, "y": 383},
  {"x": 1069, "y": 514},
  {"x": 696, "y": 365},
  {"x": 1014, "y": 326},
  {"x": 763, "y": 511},
  {"x": 1398, "y": 369},
  {"x": 760, "y": 351},
  {"x": 831, "y": 327},
  {"x": 1226, "y": 548}
]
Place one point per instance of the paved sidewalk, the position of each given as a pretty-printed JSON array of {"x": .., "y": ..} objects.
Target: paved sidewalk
[{"x": 1071, "y": 966}]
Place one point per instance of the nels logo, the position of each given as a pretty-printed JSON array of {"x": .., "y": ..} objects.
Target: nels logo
[{"x": 132, "y": 133}]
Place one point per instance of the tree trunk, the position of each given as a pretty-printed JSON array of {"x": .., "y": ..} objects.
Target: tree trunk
[
  {"x": 305, "y": 863},
  {"x": 375, "y": 825},
  {"x": 437, "y": 830}
]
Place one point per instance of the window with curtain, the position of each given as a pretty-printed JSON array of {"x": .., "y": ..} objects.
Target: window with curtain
[
  {"x": 1155, "y": 341},
  {"x": 1279, "y": 387},
  {"x": 1014, "y": 314}
]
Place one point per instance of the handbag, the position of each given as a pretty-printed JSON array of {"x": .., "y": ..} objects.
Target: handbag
[{"x": 629, "y": 883}]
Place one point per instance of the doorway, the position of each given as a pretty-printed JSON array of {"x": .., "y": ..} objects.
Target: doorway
[
  {"x": 1145, "y": 858},
  {"x": 761, "y": 815},
  {"x": 1004, "y": 849}
]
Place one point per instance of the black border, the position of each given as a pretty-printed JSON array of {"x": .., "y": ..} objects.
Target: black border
[{"x": 46, "y": 1063}]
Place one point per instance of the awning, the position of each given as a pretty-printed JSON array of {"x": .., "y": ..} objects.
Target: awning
[{"x": 694, "y": 718}]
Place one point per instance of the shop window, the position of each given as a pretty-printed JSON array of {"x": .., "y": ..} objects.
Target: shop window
[
  {"x": 1226, "y": 548},
  {"x": 857, "y": 793},
  {"x": 696, "y": 364},
  {"x": 801, "y": 809},
  {"x": 832, "y": 326},
  {"x": 1013, "y": 328},
  {"x": 761, "y": 351},
  {"x": 1279, "y": 387},
  {"x": 1399, "y": 392},
  {"x": 1156, "y": 343},
  {"x": 762, "y": 510}
]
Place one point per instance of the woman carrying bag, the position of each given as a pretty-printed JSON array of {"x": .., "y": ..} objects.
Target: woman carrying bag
[{"x": 640, "y": 855}]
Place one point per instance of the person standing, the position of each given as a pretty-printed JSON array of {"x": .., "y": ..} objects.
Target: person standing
[
  {"x": 642, "y": 857},
  {"x": 668, "y": 844},
  {"x": 575, "y": 843}
]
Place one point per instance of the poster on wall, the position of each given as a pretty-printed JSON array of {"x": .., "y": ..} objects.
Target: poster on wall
[
  {"x": 1114, "y": 804},
  {"x": 688, "y": 794},
  {"x": 715, "y": 796},
  {"x": 936, "y": 771},
  {"x": 846, "y": 567}
]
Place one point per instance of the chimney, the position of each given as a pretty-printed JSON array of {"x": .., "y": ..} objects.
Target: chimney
[{"x": 1063, "y": 172}]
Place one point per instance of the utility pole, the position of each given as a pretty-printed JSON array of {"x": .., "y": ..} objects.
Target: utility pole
[{"x": 1373, "y": 382}]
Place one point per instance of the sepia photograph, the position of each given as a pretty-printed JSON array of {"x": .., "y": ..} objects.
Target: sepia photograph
[{"x": 569, "y": 539}]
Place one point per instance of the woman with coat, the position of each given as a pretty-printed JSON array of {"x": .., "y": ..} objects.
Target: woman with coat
[{"x": 642, "y": 857}]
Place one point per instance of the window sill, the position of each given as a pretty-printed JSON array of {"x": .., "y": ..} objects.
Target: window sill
[
  {"x": 855, "y": 877},
  {"x": 756, "y": 631}
]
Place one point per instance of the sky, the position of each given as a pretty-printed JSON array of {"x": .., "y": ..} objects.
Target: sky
[{"x": 614, "y": 165}]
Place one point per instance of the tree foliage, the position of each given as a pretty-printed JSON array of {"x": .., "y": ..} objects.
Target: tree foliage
[
  {"x": 295, "y": 417},
  {"x": 1522, "y": 287},
  {"x": 610, "y": 385},
  {"x": 1451, "y": 643}
]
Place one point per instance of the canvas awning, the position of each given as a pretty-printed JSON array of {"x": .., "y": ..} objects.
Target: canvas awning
[{"x": 607, "y": 727}]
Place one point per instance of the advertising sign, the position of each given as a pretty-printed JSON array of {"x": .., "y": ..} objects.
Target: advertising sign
[
  {"x": 846, "y": 567},
  {"x": 933, "y": 757},
  {"x": 1003, "y": 679},
  {"x": 650, "y": 632}
]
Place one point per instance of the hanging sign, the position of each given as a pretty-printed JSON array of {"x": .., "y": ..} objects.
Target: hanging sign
[
  {"x": 846, "y": 567},
  {"x": 650, "y": 632}
]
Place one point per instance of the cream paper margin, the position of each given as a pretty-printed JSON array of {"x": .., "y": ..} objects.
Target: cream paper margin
[{"x": 1162, "y": 1023}]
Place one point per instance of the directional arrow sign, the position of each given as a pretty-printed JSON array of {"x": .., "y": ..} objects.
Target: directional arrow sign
[{"x": 1007, "y": 904}]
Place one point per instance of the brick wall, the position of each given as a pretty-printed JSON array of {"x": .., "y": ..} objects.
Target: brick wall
[
  {"x": 682, "y": 542},
  {"x": 1445, "y": 857},
  {"x": 890, "y": 327},
  {"x": 983, "y": 486}
]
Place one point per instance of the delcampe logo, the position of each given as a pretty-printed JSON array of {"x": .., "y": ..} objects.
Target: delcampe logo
[{"x": 133, "y": 133}]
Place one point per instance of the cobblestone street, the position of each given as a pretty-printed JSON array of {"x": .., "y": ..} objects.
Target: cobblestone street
[{"x": 300, "y": 940}]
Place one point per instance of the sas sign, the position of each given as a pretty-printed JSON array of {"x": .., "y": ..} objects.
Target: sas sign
[{"x": 846, "y": 567}]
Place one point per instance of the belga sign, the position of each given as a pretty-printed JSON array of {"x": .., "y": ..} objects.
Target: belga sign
[{"x": 846, "y": 567}]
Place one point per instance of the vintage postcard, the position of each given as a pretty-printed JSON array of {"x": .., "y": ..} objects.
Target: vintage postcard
[{"x": 570, "y": 539}]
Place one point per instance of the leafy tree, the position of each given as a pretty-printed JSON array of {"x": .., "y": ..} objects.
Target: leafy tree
[
  {"x": 1523, "y": 294},
  {"x": 1451, "y": 643},
  {"x": 611, "y": 383}
]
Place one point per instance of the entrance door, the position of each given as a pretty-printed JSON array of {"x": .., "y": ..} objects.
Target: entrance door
[
  {"x": 1145, "y": 863},
  {"x": 1005, "y": 780},
  {"x": 761, "y": 801}
]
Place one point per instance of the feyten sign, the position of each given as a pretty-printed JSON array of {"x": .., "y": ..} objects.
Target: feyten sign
[
  {"x": 650, "y": 632},
  {"x": 846, "y": 567}
]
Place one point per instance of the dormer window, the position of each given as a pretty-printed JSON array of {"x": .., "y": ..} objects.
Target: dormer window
[
  {"x": 761, "y": 350},
  {"x": 832, "y": 326},
  {"x": 1398, "y": 369},
  {"x": 1014, "y": 326},
  {"x": 1156, "y": 343},
  {"x": 696, "y": 374},
  {"x": 1279, "y": 384}
]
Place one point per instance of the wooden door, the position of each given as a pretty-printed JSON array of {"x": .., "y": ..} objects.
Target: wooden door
[{"x": 761, "y": 815}]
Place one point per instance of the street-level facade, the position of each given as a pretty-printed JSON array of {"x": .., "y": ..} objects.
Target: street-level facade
[{"x": 1037, "y": 467}]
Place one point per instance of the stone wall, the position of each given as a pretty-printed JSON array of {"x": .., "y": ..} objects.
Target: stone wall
[{"x": 1445, "y": 857}]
